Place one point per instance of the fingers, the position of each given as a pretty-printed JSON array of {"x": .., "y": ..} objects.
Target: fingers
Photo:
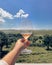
[
  {"x": 23, "y": 40},
  {"x": 26, "y": 42}
]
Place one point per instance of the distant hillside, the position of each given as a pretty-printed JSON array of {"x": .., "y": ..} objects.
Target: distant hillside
[{"x": 36, "y": 32}]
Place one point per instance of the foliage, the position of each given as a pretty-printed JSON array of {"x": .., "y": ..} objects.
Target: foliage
[
  {"x": 48, "y": 41},
  {"x": 3, "y": 40},
  {"x": 36, "y": 40}
]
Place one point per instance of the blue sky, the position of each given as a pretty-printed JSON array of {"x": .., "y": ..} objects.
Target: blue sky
[{"x": 39, "y": 12}]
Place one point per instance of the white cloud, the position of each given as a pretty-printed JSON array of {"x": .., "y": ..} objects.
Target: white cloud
[
  {"x": 18, "y": 14},
  {"x": 21, "y": 14},
  {"x": 5, "y": 14},
  {"x": 1, "y": 20},
  {"x": 24, "y": 15},
  {"x": 21, "y": 11}
]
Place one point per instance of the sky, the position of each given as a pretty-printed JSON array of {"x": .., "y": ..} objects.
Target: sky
[{"x": 38, "y": 12}]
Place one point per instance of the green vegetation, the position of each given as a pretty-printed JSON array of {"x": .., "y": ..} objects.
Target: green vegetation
[
  {"x": 3, "y": 40},
  {"x": 36, "y": 32},
  {"x": 39, "y": 55},
  {"x": 41, "y": 45}
]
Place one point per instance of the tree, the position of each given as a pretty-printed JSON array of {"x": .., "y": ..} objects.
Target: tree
[
  {"x": 51, "y": 41},
  {"x": 47, "y": 41},
  {"x": 3, "y": 40},
  {"x": 13, "y": 37},
  {"x": 40, "y": 37},
  {"x": 33, "y": 39},
  {"x": 39, "y": 43},
  {"x": 40, "y": 40}
]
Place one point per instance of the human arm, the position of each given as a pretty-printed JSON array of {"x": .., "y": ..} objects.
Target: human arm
[{"x": 11, "y": 57}]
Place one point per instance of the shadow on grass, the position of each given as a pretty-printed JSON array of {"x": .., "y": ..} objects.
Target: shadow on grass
[{"x": 49, "y": 49}]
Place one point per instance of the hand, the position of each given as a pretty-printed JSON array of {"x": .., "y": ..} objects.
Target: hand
[{"x": 22, "y": 44}]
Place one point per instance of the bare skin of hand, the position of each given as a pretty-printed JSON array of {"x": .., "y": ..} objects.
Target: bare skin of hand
[
  {"x": 22, "y": 43},
  {"x": 11, "y": 57}
]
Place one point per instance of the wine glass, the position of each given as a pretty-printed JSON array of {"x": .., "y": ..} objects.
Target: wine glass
[
  {"x": 26, "y": 34},
  {"x": 26, "y": 30}
]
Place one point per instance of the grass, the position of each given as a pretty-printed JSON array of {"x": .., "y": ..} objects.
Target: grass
[{"x": 39, "y": 55}]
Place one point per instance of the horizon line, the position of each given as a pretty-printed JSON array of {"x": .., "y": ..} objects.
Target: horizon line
[{"x": 21, "y": 29}]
